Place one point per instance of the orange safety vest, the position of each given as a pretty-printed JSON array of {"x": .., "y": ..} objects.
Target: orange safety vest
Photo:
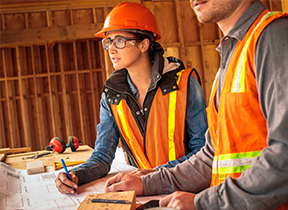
[
  {"x": 236, "y": 145},
  {"x": 163, "y": 137}
]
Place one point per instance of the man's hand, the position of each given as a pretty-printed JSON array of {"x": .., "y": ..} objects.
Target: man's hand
[
  {"x": 179, "y": 200},
  {"x": 141, "y": 172},
  {"x": 64, "y": 185},
  {"x": 124, "y": 182}
]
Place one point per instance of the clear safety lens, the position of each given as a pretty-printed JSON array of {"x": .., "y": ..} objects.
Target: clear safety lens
[{"x": 119, "y": 42}]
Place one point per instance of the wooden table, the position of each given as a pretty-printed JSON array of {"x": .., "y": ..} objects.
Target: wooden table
[{"x": 19, "y": 161}]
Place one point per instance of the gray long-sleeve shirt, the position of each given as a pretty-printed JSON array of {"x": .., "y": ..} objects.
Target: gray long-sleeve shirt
[{"x": 265, "y": 184}]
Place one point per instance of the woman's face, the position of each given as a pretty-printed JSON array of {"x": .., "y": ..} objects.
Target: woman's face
[{"x": 126, "y": 57}]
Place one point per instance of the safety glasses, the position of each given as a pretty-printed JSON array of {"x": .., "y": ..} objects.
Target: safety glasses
[{"x": 118, "y": 41}]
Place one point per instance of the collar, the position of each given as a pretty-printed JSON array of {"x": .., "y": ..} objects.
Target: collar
[
  {"x": 241, "y": 27},
  {"x": 119, "y": 81}
]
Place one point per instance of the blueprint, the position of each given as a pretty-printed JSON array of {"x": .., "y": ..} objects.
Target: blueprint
[{"x": 19, "y": 191}]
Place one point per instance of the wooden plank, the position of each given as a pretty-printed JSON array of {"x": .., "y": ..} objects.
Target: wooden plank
[
  {"x": 37, "y": 19},
  {"x": 284, "y": 6},
  {"x": 3, "y": 139},
  {"x": 48, "y": 34},
  {"x": 16, "y": 6},
  {"x": 23, "y": 98},
  {"x": 82, "y": 16},
  {"x": 91, "y": 54},
  {"x": 53, "y": 90},
  {"x": 203, "y": 65},
  {"x": 11, "y": 101},
  {"x": 2, "y": 128},
  {"x": 180, "y": 32},
  {"x": 71, "y": 17},
  {"x": 166, "y": 17},
  {"x": 174, "y": 52},
  {"x": 48, "y": 17},
  {"x": 81, "y": 99},
  {"x": 2, "y": 22},
  {"x": 65, "y": 94},
  {"x": 14, "y": 150},
  {"x": 194, "y": 59},
  {"x": 94, "y": 15},
  {"x": 26, "y": 20},
  {"x": 24, "y": 58},
  {"x": 85, "y": 52},
  {"x": 190, "y": 23},
  {"x": 2, "y": 157},
  {"x": 38, "y": 91},
  {"x": 51, "y": 74},
  {"x": 212, "y": 63},
  {"x": 103, "y": 62}
]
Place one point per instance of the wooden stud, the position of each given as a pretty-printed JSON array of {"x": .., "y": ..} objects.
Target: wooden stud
[
  {"x": 27, "y": 103},
  {"x": 108, "y": 66},
  {"x": 71, "y": 17},
  {"x": 203, "y": 64},
  {"x": 11, "y": 104},
  {"x": 284, "y": 6},
  {"x": 92, "y": 52},
  {"x": 3, "y": 22},
  {"x": 94, "y": 15},
  {"x": 48, "y": 17},
  {"x": 2, "y": 128},
  {"x": 38, "y": 91},
  {"x": 23, "y": 98},
  {"x": 65, "y": 92},
  {"x": 26, "y": 20},
  {"x": 79, "y": 93},
  {"x": 180, "y": 32},
  {"x": 53, "y": 96}
]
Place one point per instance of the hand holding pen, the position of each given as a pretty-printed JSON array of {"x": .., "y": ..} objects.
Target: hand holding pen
[{"x": 66, "y": 183}]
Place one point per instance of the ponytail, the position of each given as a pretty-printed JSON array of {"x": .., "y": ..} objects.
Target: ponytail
[{"x": 155, "y": 47}]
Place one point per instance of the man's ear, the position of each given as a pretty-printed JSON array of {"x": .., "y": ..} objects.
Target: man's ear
[{"x": 144, "y": 45}]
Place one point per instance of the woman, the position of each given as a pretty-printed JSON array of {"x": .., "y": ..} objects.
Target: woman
[{"x": 150, "y": 102}]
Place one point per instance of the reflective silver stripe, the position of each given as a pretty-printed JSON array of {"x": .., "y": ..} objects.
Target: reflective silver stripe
[
  {"x": 238, "y": 84},
  {"x": 236, "y": 162}
]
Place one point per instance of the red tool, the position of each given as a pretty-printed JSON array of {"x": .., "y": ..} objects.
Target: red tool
[{"x": 58, "y": 145}]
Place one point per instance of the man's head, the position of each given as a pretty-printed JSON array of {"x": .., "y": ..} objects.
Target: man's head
[
  {"x": 223, "y": 12},
  {"x": 213, "y": 11}
]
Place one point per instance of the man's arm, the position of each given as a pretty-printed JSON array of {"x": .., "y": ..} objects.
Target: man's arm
[{"x": 192, "y": 175}]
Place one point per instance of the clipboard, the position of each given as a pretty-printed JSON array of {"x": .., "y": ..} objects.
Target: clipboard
[{"x": 109, "y": 201}]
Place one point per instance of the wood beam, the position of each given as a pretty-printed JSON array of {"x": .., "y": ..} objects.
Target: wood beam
[
  {"x": 284, "y": 6},
  {"x": 48, "y": 34},
  {"x": 23, "y": 98}
]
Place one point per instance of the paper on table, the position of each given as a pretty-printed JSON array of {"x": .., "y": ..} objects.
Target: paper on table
[{"x": 21, "y": 191}]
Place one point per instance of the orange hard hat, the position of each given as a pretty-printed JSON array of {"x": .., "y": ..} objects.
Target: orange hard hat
[{"x": 130, "y": 15}]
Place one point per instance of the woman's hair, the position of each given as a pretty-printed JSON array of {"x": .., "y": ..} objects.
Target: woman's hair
[{"x": 154, "y": 46}]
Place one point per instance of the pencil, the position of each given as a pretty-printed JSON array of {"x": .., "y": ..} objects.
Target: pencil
[{"x": 65, "y": 168}]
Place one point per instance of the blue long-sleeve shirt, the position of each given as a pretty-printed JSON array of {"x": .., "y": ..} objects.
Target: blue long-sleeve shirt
[{"x": 98, "y": 165}]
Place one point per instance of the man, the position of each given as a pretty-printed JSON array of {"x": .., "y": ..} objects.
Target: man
[{"x": 245, "y": 159}]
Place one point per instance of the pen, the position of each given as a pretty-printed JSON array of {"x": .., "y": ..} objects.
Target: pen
[
  {"x": 99, "y": 200},
  {"x": 64, "y": 166}
]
